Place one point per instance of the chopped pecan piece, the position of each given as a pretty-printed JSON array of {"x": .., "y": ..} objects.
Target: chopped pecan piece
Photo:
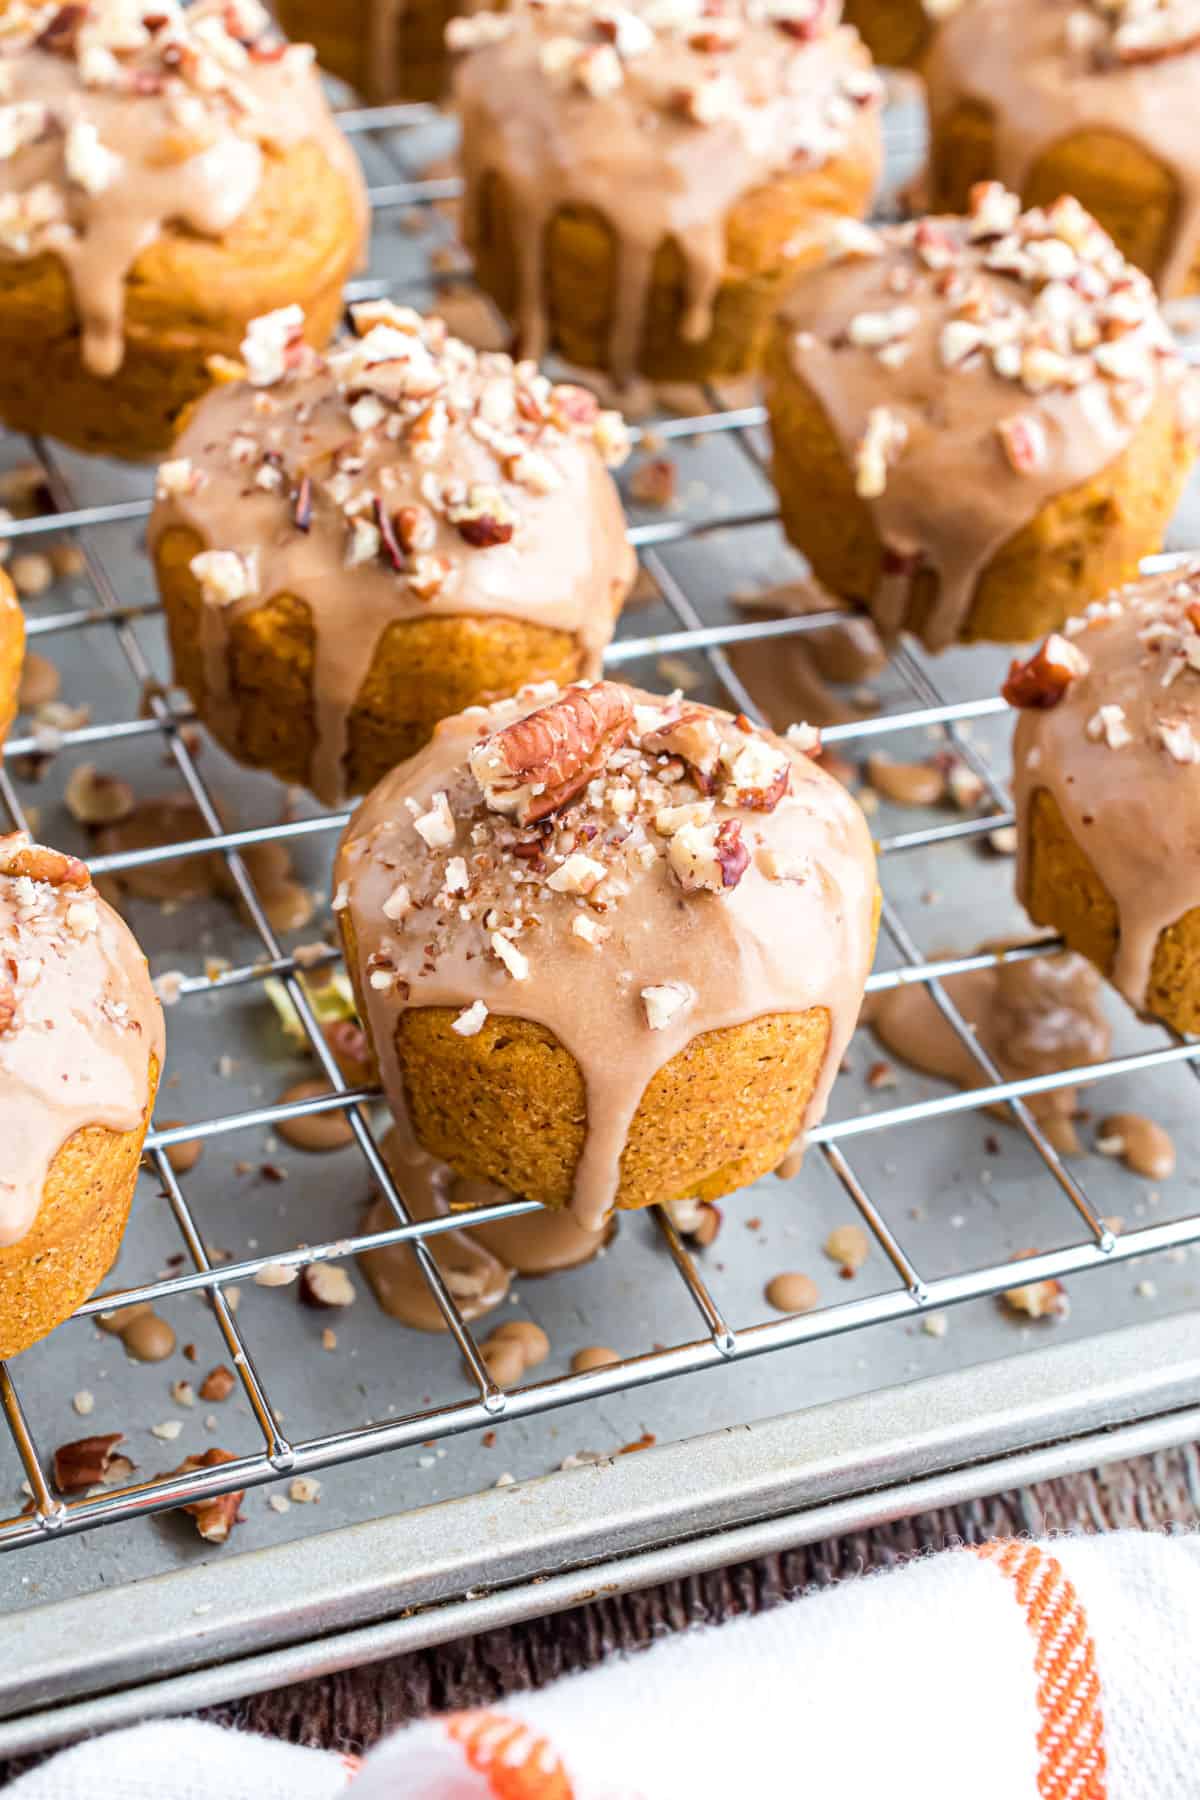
[
  {"x": 218, "y": 1384},
  {"x": 84, "y": 1462},
  {"x": 326, "y": 1285},
  {"x": 1042, "y": 681},
  {"x": 19, "y": 857},
  {"x": 693, "y": 736},
  {"x": 215, "y": 1518},
  {"x": 536, "y": 765}
]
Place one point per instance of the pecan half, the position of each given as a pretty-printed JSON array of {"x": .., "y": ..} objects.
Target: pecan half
[
  {"x": 1042, "y": 681},
  {"x": 19, "y": 857},
  {"x": 84, "y": 1462},
  {"x": 215, "y": 1518},
  {"x": 536, "y": 765}
]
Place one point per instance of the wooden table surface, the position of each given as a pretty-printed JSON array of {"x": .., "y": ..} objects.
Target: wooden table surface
[{"x": 352, "y": 1710}]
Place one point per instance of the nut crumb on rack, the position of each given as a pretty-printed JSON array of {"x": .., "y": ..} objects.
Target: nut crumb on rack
[
  {"x": 84, "y": 1462},
  {"x": 848, "y": 1245},
  {"x": 218, "y": 1384},
  {"x": 214, "y": 1518}
]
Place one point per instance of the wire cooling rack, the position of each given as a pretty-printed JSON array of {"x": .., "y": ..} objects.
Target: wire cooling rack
[{"x": 910, "y": 1294}]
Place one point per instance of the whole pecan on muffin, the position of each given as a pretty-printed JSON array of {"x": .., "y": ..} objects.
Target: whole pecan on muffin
[
  {"x": 573, "y": 923},
  {"x": 351, "y": 547},
  {"x": 165, "y": 175}
]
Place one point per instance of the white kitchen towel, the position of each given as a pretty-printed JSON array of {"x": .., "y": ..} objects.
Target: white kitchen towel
[{"x": 1065, "y": 1670}]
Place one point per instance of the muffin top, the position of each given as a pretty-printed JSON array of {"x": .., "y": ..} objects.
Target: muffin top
[
  {"x": 1046, "y": 69},
  {"x": 1110, "y": 727},
  {"x": 116, "y": 121},
  {"x": 661, "y": 116},
  {"x": 972, "y": 368},
  {"x": 625, "y": 869},
  {"x": 403, "y": 475},
  {"x": 79, "y": 1021}
]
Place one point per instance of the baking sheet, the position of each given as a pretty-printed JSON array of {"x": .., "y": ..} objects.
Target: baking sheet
[{"x": 953, "y": 1205}]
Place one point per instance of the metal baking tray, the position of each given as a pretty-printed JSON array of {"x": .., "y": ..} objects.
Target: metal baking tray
[{"x": 767, "y": 1430}]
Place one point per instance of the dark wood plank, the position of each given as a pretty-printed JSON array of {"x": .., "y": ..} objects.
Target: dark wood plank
[{"x": 351, "y": 1711}]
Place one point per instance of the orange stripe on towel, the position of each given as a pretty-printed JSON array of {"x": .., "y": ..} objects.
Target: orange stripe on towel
[
  {"x": 517, "y": 1763},
  {"x": 1071, "y": 1760}
]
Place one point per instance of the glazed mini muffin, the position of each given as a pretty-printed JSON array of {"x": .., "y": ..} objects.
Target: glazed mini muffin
[
  {"x": 12, "y": 653},
  {"x": 1105, "y": 759},
  {"x": 641, "y": 185},
  {"x": 164, "y": 177},
  {"x": 572, "y": 922},
  {"x": 81, "y": 1047},
  {"x": 1095, "y": 98},
  {"x": 387, "y": 49},
  {"x": 992, "y": 412},
  {"x": 351, "y": 548},
  {"x": 898, "y": 33}
]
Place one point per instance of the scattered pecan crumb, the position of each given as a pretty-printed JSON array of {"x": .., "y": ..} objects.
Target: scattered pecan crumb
[
  {"x": 215, "y": 1518},
  {"x": 218, "y": 1384}
]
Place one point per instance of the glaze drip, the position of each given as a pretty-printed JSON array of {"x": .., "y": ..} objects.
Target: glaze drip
[
  {"x": 403, "y": 476},
  {"x": 659, "y": 117},
  {"x": 1049, "y": 69},
  {"x": 1118, "y": 752},
  {"x": 79, "y": 1022},
  {"x": 478, "y": 1263},
  {"x": 1002, "y": 359}
]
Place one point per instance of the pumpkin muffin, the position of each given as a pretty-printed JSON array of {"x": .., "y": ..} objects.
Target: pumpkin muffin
[
  {"x": 81, "y": 1047},
  {"x": 992, "y": 412},
  {"x": 350, "y": 548},
  {"x": 164, "y": 178},
  {"x": 387, "y": 49},
  {"x": 1095, "y": 98},
  {"x": 1105, "y": 759},
  {"x": 898, "y": 33},
  {"x": 12, "y": 653},
  {"x": 572, "y": 923},
  {"x": 641, "y": 185}
]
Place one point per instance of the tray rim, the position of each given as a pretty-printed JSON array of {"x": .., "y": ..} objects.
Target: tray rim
[{"x": 238, "y": 1625}]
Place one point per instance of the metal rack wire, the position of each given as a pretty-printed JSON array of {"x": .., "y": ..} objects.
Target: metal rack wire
[{"x": 50, "y": 1514}]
